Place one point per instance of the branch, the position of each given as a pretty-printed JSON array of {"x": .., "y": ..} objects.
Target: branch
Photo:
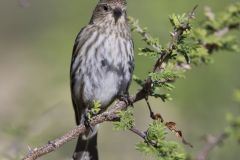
[
  {"x": 164, "y": 54},
  {"x": 24, "y": 3},
  {"x": 176, "y": 35},
  {"x": 225, "y": 30},
  {"x": 212, "y": 142},
  {"x": 146, "y": 37},
  {"x": 139, "y": 133},
  {"x": 109, "y": 115},
  {"x": 209, "y": 13},
  {"x": 105, "y": 116}
]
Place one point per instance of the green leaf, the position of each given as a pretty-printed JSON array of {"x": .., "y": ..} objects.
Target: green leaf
[
  {"x": 148, "y": 52},
  {"x": 126, "y": 120},
  {"x": 236, "y": 95},
  {"x": 164, "y": 97},
  {"x": 156, "y": 132},
  {"x": 178, "y": 20},
  {"x": 96, "y": 107},
  {"x": 163, "y": 150},
  {"x": 138, "y": 80},
  {"x": 234, "y": 126}
]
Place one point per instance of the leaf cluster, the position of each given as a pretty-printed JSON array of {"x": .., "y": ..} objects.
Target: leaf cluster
[
  {"x": 126, "y": 121},
  {"x": 189, "y": 46},
  {"x": 214, "y": 28},
  {"x": 236, "y": 95},
  {"x": 95, "y": 109},
  {"x": 234, "y": 127},
  {"x": 163, "y": 149}
]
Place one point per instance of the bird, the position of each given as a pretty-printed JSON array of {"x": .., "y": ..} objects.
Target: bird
[{"x": 101, "y": 69}]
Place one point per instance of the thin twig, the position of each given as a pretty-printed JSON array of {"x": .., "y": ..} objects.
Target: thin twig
[
  {"x": 143, "y": 136},
  {"x": 212, "y": 142},
  {"x": 209, "y": 13},
  {"x": 175, "y": 36},
  {"x": 145, "y": 35},
  {"x": 139, "y": 133},
  {"x": 154, "y": 116},
  {"x": 149, "y": 108},
  {"x": 24, "y": 3}
]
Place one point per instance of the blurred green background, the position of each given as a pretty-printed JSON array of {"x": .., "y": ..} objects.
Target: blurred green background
[{"x": 35, "y": 104}]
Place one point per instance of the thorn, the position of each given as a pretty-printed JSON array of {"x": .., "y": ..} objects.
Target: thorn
[
  {"x": 29, "y": 148},
  {"x": 172, "y": 34},
  {"x": 52, "y": 143}
]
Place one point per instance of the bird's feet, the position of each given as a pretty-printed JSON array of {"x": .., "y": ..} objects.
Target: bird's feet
[
  {"x": 86, "y": 121},
  {"x": 126, "y": 98}
]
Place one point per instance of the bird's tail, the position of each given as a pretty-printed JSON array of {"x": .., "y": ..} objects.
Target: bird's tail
[{"x": 86, "y": 148}]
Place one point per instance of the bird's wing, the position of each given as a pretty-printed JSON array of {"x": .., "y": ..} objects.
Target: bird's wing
[{"x": 76, "y": 101}]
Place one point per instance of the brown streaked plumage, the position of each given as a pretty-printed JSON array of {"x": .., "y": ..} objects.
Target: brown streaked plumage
[{"x": 101, "y": 68}]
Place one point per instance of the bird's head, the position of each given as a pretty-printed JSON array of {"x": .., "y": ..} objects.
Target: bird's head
[{"x": 110, "y": 12}]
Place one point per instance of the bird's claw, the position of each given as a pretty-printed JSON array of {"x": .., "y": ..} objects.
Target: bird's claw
[
  {"x": 52, "y": 143},
  {"x": 86, "y": 121},
  {"x": 126, "y": 99}
]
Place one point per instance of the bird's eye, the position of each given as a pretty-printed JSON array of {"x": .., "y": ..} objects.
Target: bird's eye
[{"x": 105, "y": 8}]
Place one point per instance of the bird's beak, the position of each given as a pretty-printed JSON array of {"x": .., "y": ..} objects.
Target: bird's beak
[{"x": 117, "y": 13}]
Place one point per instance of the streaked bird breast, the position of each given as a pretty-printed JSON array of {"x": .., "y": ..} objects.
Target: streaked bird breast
[{"x": 104, "y": 62}]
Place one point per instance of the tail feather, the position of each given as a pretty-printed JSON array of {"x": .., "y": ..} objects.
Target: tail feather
[{"x": 86, "y": 149}]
